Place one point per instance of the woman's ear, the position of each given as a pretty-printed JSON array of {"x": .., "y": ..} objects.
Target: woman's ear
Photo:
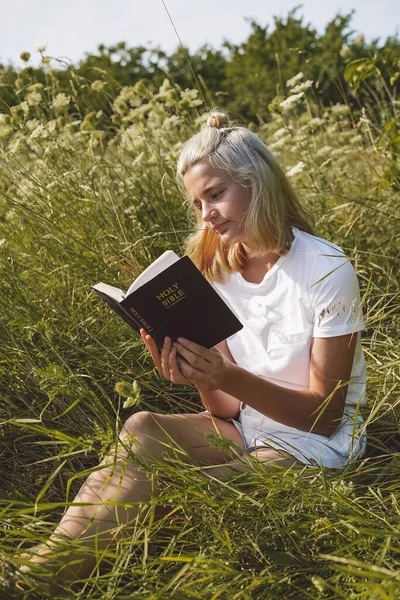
[{"x": 246, "y": 183}]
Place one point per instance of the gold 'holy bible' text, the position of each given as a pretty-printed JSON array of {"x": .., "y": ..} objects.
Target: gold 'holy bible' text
[{"x": 171, "y": 295}]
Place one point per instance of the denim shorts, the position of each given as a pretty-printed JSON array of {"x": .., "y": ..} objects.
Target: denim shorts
[{"x": 309, "y": 449}]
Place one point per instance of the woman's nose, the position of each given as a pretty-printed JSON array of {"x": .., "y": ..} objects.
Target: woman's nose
[{"x": 208, "y": 212}]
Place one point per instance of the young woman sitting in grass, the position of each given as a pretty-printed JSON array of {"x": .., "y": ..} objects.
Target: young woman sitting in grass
[{"x": 288, "y": 386}]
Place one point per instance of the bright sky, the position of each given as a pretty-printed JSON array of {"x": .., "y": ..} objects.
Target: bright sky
[{"x": 71, "y": 29}]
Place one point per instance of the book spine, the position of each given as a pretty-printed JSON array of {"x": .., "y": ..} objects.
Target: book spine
[
  {"x": 139, "y": 319},
  {"x": 120, "y": 310}
]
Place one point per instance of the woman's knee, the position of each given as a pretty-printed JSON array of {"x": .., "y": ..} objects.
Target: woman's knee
[
  {"x": 141, "y": 430},
  {"x": 135, "y": 423},
  {"x": 185, "y": 435},
  {"x": 145, "y": 433}
]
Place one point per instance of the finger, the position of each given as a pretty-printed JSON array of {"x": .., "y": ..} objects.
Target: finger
[
  {"x": 145, "y": 336},
  {"x": 155, "y": 353},
  {"x": 193, "y": 359},
  {"x": 184, "y": 367},
  {"x": 193, "y": 375},
  {"x": 194, "y": 348},
  {"x": 173, "y": 365},
  {"x": 165, "y": 351}
]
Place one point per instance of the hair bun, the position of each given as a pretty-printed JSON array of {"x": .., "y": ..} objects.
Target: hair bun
[{"x": 218, "y": 120}]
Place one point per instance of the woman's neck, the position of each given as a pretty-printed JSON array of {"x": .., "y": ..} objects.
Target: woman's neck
[{"x": 257, "y": 266}]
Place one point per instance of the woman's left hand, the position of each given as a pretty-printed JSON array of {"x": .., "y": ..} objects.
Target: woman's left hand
[{"x": 207, "y": 369}]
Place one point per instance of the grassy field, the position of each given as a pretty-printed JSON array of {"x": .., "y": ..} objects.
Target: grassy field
[{"x": 82, "y": 203}]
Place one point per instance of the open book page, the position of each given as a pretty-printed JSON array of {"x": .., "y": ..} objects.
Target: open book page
[
  {"x": 109, "y": 290},
  {"x": 158, "y": 266}
]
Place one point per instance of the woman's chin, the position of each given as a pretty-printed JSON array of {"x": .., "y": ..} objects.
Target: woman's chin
[
  {"x": 230, "y": 236},
  {"x": 227, "y": 238}
]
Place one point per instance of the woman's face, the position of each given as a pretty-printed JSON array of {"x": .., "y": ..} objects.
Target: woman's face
[{"x": 221, "y": 202}]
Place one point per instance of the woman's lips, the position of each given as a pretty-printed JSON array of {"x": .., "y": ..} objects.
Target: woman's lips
[{"x": 218, "y": 228}]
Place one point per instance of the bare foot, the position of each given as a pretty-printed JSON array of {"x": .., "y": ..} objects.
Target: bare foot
[
  {"x": 37, "y": 555},
  {"x": 18, "y": 578}
]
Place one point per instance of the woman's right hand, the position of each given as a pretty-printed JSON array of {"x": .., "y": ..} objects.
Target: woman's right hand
[{"x": 165, "y": 362}]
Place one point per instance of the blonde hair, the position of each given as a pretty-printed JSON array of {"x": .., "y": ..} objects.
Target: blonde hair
[{"x": 274, "y": 208}]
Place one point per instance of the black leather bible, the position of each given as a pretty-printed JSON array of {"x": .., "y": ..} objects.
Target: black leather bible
[{"x": 172, "y": 298}]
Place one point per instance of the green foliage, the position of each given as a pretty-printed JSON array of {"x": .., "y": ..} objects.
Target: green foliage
[
  {"x": 130, "y": 391},
  {"x": 359, "y": 70},
  {"x": 88, "y": 193},
  {"x": 242, "y": 78}
]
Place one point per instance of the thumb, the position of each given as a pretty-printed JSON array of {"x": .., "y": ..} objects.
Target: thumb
[{"x": 216, "y": 349}]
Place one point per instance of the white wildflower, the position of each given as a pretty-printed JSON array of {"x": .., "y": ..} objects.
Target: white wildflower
[
  {"x": 318, "y": 582},
  {"x": 38, "y": 132},
  {"x": 35, "y": 87},
  {"x": 291, "y": 101},
  {"x": 16, "y": 145},
  {"x": 171, "y": 122},
  {"x": 316, "y": 122},
  {"x": 24, "y": 107},
  {"x": 142, "y": 88},
  {"x": 127, "y": 98},
  {"x": 97, "y": 85},
  {"x": 296, "y": 169},
  {"x": 301, "y": 137},
  {"x": 280, "y": 142},
  {"x": 346, "y": 488},
  {"x": 280, "y": 132},
  {"x": 5, "y": 130},
  {"x": 295, "y": 79},
  {"x": 190, "y": 97},
  {"x": 165, "y": 86},
  {"x": 52, "y": 126},
  {"x": 324, "y": 150},
  {"x": 32, "y": 124},
  {"x": 302, "y": 87},
  {"x": 34, "y": 98},
  {"x": 20, "y": 111},
  {"x": 340, "y": 109},
  {"x": 60, "y": 102},
  {"x": 332, "y": 129}
]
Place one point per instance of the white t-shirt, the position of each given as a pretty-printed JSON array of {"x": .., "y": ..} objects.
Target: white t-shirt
[{"x": 310, "y": 292}]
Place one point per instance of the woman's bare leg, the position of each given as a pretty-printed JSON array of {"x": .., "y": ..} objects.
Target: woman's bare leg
[
  {"x": 268, "y": 457},
  {"x": 112, "y": 495}
]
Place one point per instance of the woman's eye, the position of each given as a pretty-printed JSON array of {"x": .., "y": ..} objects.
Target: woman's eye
[{"x": 214, "y": 196}]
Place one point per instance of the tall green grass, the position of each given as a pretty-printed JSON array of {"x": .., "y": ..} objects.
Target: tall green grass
[{"x": 82, "y": 203}]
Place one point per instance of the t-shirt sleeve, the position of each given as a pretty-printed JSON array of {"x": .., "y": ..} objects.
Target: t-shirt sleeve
[{"x": 335, "y": 298}]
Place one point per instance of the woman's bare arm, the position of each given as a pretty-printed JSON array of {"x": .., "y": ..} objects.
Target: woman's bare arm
[
  {"x": 219, "y": 403},
  {"x": 318, "y": 409}
]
